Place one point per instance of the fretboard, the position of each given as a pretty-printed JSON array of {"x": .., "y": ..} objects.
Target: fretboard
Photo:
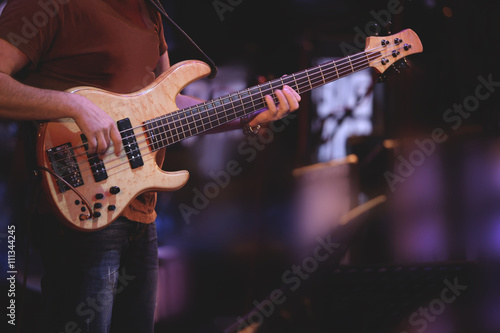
[{"x": 182, "y": 124}]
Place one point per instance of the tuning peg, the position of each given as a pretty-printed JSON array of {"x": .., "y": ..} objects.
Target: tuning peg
[
  {"x": 374, "y": 29},
  {"x": 402, "y": 65},
  {"x": 395, "y": 68},
  {"x": 406, "y": 63},
  {"x": 388, "y": 27},
  {"x": 382, "y": 78}
]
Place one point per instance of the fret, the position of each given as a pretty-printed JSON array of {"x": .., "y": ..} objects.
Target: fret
[
  {"x": 287, "y": 80},
  {"x": 157, "y": 133},
  {"x": 175, "y": 123},
  {"x": 165, "y": 128},
  {"x": 196, "y": 114},
  {"x": 350, "y": 62},
  {"x": 237, "y": 104},
  {"x": 281, "y": 83},
  {"x": 273, "y": 85},
  {"x": 197, "y": 119},
  {"x": 204, "y": 116},
  {"x": 367, "y": 58},
  {"x": 226, "y": 101},
  {"x": 322, "y": 75},
  {"x": 297, "y": 88},
  {"x": 261, "y": 93},
  {"x": 212, "y": 115},
  {"x": 266, "y": 89},
  {"x": 196, "y": 130},
  {"x": 308, "y": 79},
  {"x": 231, "y": 116},
  {"x": 224, "y": 109},
  {"x": 210, "y": 107},
  {"x": 185, "y": 125},
  {"x": 247, "y": 100},
  {"x": 178, "y": 126},
  {"x": 228, "y": 107},
  {"x": 161, "y": 131},
  {"x": 157, "y": 140},
  {"x": 230, "y": 99},
  {"x": 252, "y": 100},
  {"x": 254, "y": 92},
  {"x": 343, "y": 68},
  {"x": 171, "y": 130},
  {"x": 233, "y": 100},
  {"x": 336, "y": 69},
  {"x": 170, "y": 134},
  {"x": 219, "y": 109},
  {"x": 192, "y": 125},
  {"x": 278, "y": 85},
  {"x": 216, "y": 114},
  {"x": 203, "y": 110},
  {"x": 271, "y": 88},
  {"x": 317, "y": 77},
  {"x": 188, "y": 114},
  {"x": 149, "y": 128},
  {"x": 153, "y": 139}
]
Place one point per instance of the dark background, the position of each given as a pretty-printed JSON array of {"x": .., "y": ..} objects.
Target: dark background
[{"x": 236, "y": 250}]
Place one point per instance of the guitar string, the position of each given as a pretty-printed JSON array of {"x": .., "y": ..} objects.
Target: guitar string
[
  {"x": 140, "y": 148},
  {"x": 359, "y": 56},
  {"x": 341, "y": 62},
  {"x": 303, "y": 84},
  {"x": 308, "y": 77},
  {"x": 307, "y": 82},
  {"x": 331, "y": 70},
  {"x": 338, "y": 69}
]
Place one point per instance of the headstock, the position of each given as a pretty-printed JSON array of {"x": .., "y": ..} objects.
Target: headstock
[{"x": 385, "y": 51}]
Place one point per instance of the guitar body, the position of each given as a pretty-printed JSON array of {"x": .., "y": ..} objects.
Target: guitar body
[{"x": 155, "y": 100}]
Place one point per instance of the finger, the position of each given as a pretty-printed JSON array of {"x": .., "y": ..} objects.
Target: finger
[
  {"x": 291, "y": 99},
  {"x": 261, "y": 118},
  {"x": 296, "y": 94},
  {"x": 107, "y": 137},
  {"x": 271, "y": 106},
  {"x": 283, "y": 104},
  {"x": 92, "y": 144},
  {"x": 102, "y": 146},
  {"x": 117, "y": 140}
]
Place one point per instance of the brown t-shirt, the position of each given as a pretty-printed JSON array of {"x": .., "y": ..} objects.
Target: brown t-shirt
[{"x": 86, "y": 43}]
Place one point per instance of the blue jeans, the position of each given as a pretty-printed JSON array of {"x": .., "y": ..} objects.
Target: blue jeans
[{"x": 102, "y": 281}]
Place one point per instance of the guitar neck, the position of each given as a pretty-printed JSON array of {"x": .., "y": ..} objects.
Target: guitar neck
[{"x": 182, "y": 124}]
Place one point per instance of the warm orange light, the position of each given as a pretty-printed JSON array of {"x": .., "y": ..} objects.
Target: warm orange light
[{"x": 448, "y": 12}]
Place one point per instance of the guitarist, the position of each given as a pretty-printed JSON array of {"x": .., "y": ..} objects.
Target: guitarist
[{"x": 105, "y": 280}]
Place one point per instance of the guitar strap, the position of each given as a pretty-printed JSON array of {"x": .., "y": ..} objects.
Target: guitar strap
[{"x": 182, "y": 33}]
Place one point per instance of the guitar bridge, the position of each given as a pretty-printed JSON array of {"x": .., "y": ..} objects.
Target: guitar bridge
[{"x": 64, "y": 164}]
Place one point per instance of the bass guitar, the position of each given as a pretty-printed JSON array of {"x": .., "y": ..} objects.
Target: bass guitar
[{"x": 89, "y": 193}]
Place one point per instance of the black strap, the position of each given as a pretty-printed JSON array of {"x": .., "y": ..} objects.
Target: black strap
[{"x": 181, "y": 32}]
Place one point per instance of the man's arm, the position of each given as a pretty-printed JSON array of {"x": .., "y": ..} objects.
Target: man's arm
[
  {"x": 288, "y": 102},
  {"x": 21, "y": 102}
]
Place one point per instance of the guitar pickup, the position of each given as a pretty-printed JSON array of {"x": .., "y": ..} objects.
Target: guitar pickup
[
  {"x": 96, "y": 164},
  {"x": 130, "y": 143}
]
